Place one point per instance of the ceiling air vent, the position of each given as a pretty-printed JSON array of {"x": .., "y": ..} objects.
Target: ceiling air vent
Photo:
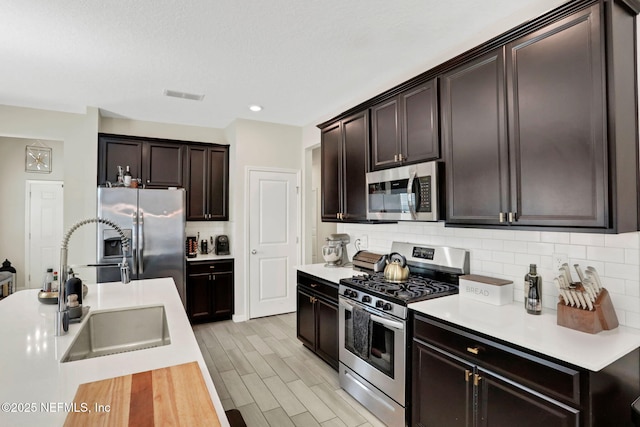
[{"x": 183, "y": 95}]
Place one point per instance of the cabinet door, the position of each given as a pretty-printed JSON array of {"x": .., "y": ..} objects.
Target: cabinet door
[
  {"x": 556, "y": 124},
  {"x": 222, "y": 295},
  {"x": 443, "y": 392},
  {"x": 475, "y": 140},
  {"x": 331, "y": 160},
  {"x": 327, "y": 332},
  {"x": 505, "y": 403},
  {"x": 218, "y": 193},
  {"x": 199, "y": 297},
  {"x": 385, "y": 134},
  {"x": 419, "y": 118},
  {"x": 162, "y": 164},
  {"x": 196, "y": 182},
  {"x": 306, "y": 320},
  {"x": 114, "y": 152},
  {"x": 355, "y": 139}
]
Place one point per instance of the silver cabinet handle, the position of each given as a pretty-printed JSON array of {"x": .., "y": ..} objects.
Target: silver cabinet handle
[
  {"x": 501, "y": 217},
  {"x": 254, "y": 252},
  {"x": 512, "y": 216}
]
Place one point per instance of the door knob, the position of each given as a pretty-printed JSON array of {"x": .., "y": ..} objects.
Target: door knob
[{"x": 254, "y": 252}]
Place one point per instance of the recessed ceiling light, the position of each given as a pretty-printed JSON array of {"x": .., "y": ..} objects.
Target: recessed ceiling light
[
  {"x": 183, "y": 95},
  {"x": 255, "y": 108}
]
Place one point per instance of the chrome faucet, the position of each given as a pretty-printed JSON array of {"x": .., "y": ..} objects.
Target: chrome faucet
[{"x": 62, "y": 315}]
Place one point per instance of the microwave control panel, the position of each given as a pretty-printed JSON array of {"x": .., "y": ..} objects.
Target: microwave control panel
[{"x": 424, "y": 194}]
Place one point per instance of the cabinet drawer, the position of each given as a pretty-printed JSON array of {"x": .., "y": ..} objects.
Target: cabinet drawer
[
  {"x": 319, "y": 286},
  {"x": 201, "y": 267},
  {"x": 533, "y": 371}
]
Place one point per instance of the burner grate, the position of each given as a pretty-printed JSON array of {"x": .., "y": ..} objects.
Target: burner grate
[{"x": 415, "y": 287}]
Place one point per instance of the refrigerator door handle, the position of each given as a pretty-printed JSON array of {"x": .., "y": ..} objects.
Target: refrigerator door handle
[
  {"x": 134, "y": 244},
  {"x": 141, "y": 243}
]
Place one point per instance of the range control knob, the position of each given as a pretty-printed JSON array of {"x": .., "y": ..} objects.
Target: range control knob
[
  {"x": 387, "y": 307},
  {"x": 350, "y": 293},
  {"x": 379, "y": 303},
  {"x": 366, "y": 298}
]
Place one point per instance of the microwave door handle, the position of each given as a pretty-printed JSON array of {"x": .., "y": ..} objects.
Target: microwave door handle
[
  {"x": 387, "y": 322},
  {"x": 410, "y": 204}
]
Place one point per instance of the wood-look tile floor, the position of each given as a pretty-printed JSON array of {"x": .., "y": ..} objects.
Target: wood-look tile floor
[{"x": 260, "y": 368}]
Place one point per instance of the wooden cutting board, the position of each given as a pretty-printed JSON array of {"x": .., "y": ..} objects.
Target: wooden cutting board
[{"x": 173, "y": 396}]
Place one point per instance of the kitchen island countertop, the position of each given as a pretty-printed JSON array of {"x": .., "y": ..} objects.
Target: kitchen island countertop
[
  {"x": 538, "y": 333},
  {"x": 35, "y": 385}
]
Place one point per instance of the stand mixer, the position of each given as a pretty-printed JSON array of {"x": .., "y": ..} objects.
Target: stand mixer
[{"x": 335, "y": 251}]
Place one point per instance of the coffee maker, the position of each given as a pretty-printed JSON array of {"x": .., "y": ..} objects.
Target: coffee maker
[
  {"x": 222, "y": 245},
  {"x": 335, "y": 251}
]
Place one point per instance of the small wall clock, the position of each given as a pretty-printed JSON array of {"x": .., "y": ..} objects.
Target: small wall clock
[{"x": 38, "y": 159}]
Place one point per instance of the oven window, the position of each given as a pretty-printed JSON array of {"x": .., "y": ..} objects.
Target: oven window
[{"x": 370, "y": 341}]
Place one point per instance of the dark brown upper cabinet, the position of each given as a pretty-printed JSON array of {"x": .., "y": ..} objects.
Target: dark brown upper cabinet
[
  {"x": 157, "y": 163},
  {"x": 344, "y": 166},
  {"x": 474, "y": 140},
  {"x": 207, "y": 179},
  {"x": 537, "y": 132},
  {"x": 202, "y": 169},
  {"x": 404, "y": 129}
]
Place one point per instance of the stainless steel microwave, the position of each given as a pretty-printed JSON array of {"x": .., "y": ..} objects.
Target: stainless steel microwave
[{"x": 406, "y": 193}]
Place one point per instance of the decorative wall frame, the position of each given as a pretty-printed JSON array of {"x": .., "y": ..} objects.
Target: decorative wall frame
[{"x": 37, "y": 158}]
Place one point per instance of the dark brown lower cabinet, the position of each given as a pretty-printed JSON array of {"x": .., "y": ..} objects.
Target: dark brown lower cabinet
[
  {"x": 317, "y": 317},
  {"x": 209, "y": 290},
  {"x": 461, "y": 378}
]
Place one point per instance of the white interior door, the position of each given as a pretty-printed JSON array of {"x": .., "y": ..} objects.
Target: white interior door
[
  {"x": 43, "y": 231},
  {"x": 273, "y": 241}
]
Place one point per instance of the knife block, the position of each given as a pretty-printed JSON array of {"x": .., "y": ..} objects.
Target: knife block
[{"x": 603, "y": 317}]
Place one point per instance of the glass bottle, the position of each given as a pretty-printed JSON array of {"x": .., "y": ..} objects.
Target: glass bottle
[
  {"x": 47, "y": 283},
  {"x": 533, "y": 291},
  {"x": 127, "y": 177}
]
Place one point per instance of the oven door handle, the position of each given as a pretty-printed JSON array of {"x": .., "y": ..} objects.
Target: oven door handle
[
  {"x": 410, "y": 203},
  {"x": 390, "y": 323}
]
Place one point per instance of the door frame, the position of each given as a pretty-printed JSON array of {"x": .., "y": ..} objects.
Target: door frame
[
  {"x": 27, "y": 230},
  {"x": 247, "y": 220}
]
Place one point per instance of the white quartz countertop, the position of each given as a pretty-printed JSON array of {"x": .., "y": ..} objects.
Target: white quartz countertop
[
  {"x": 31, "y": 372},
  {"x": 539, "y": 333},
  {"x": 209, "y": 257},
  {"x": 331, "y": 274}
]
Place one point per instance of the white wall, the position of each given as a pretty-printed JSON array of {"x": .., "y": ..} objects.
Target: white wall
[
  {"x": 13, "y": 179},
  {"x": 78, "y": 133},
  {"x": 261, "y": 144}
]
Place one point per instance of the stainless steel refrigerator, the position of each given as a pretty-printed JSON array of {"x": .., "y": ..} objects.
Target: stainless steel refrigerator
[{"x": 154, "y": 220}]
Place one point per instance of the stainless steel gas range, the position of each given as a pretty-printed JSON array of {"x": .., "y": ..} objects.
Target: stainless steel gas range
[{"x": 373, "y": 321}]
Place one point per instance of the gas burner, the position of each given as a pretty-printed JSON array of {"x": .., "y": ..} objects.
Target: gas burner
[{"x": 415, "y": 288}]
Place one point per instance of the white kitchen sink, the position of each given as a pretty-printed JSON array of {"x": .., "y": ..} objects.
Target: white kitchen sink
[{"x": 119, "y": 330}]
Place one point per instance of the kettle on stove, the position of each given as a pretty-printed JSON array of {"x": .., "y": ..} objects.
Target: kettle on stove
[{"x": 396, "y": 270}]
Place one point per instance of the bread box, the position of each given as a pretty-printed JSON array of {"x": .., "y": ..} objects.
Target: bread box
[{"x": 486, "y": 289}]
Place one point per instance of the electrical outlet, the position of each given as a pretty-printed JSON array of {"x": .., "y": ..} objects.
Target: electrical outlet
[
  {"x": 364, "y": 241},
  {"x": 558, "y": 260}
]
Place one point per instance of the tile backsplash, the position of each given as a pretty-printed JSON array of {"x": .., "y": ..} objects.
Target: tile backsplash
[
  {"x": 209, "y": 229},
  {"x": 507, "y": 254}
]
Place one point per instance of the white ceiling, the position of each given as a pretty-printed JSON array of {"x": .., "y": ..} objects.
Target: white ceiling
[{"x": 304, "y": 61}]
